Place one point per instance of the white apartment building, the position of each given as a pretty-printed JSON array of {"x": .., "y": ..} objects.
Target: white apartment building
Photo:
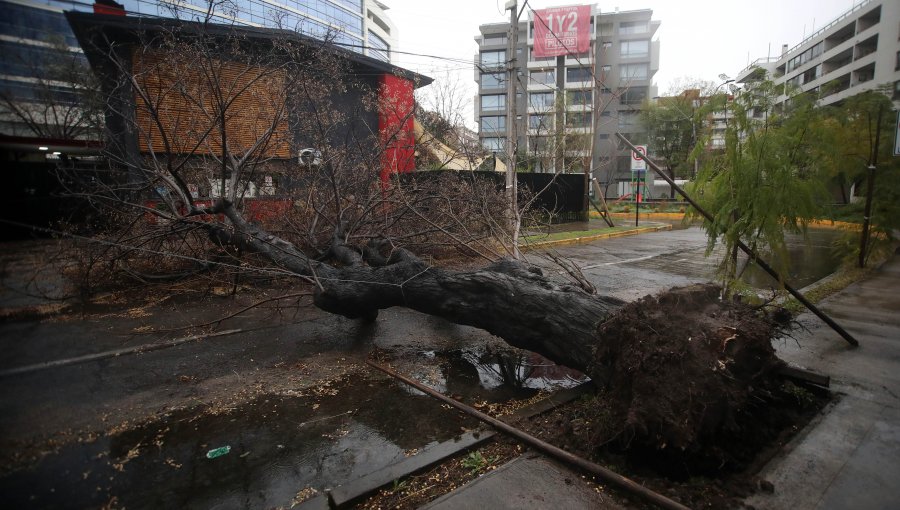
[
  {"x": 858, "y": 51},
  {"x": 566, "y": 104}
]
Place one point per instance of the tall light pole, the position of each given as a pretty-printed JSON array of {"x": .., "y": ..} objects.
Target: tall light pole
[
  {"x": 734, "y": 213},
  {"x": 870, "y": 189},
  {"x": 728, "y": 80}
]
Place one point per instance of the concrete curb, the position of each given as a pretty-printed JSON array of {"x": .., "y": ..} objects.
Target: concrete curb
[
  {"x": 845, "y": 225},
  {"x": 596, "y": 237}
]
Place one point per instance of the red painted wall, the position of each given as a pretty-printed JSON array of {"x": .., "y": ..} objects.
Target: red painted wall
[{"x": 395, "y": 124}]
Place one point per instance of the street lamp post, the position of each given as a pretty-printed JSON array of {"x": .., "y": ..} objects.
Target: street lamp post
[{"x": 734, "y": 213}]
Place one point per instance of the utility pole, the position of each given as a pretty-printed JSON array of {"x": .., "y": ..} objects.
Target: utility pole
[
  {"x": 511, "y": 125},
  {"x": 870, "y": 190}
]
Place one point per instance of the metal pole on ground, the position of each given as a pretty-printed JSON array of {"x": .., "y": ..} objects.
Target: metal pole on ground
[
  {"x": 608, "y": 476},
  {"x": 751, "y": 253}
]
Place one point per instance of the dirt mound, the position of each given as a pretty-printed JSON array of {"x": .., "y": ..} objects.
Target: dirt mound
[{"x": 680, "y": 375}]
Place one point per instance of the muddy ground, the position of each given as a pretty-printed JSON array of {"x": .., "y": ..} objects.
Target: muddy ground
[{"x": 691, "y": 407}]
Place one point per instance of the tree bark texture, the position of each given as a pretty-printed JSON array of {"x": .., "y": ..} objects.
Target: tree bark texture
[{"x": 507, "y": 298}]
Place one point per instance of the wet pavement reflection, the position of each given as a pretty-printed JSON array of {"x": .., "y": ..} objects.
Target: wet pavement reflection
[
  {"x": 277, "y": 445},
  {"x": 262, "y": 453}
]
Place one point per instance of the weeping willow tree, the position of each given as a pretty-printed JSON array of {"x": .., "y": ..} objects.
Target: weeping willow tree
[{"x": 765, "y": 182}]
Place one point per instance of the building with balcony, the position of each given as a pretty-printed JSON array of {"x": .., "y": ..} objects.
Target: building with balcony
[
  {"x": 857, "y": 51},
  {"x": 568, "y": 108}
]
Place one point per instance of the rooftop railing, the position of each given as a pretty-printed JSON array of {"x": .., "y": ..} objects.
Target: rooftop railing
[{"x": 815, "y": 34}]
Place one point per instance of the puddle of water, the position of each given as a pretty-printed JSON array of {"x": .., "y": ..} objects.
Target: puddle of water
[
  {"x": 279, "y": 445},
  {"x": 809, "y": 261},
  {"x": 493, "y": 375}
]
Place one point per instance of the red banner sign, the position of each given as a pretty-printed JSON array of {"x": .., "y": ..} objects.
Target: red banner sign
[{"x": 562, "y": 31}]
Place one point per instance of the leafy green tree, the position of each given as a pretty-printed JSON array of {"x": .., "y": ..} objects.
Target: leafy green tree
[
  {"x": 766, "y": 181},
  {"x": 672, "y": 125},
  {"x": 852, "y": 135}
]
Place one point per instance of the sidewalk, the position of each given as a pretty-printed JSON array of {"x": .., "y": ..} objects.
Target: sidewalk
[{"x": 850, "y": 456}]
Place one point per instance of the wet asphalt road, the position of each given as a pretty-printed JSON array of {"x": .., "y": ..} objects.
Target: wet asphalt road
[
  {"x": 270, "y": 354},
  {"x": 633, "y": 266},
  {"x": 269, "y": 344}
]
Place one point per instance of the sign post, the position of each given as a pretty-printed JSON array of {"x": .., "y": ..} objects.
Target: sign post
[{"x": 638, "y": 171}]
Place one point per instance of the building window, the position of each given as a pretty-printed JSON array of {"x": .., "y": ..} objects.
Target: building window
[
  {"x": 579, "y": 56},
  {"x": 578, "y": 74},
  {"x": 633, "y": 71},
  {"x": 606, "y": 45},
  {"x": 493, "y": 102},
  {"x": 580, "y": 98},
  {"x": 634, "y": 27},
  {"x": 540, "y": 122},
  {"x": 493, "y": 80},
  {"x": 541, "y": 100},
  {"x": 538, "y": 143},
  {"x": 495, "y": 39},
  {"x": 578, "y": 119},
  {"x": 631, "y": 49},
  {"x": 628, "y": 121},
  {"x": 494, "y": 144},
  {"x": 632, "y": 96},
  {"x": 543, "y": 77},
  {"x": 379, "y": 48},
  {"x": 896, "y": 95},
  {"x": 812, "y": 74},
  {"x": 804, "y": 57},
  {"x": 495, "y": 58},
  {"x": 493, "y": 123}
]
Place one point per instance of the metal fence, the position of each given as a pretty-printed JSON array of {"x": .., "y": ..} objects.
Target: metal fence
[{"x": 564, "y": 195}]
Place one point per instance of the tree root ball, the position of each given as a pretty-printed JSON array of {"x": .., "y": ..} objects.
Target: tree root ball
[{"x": 680, "y": 371}]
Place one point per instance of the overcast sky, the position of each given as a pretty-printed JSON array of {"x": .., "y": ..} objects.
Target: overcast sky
[{"x": 698, "y": 38}]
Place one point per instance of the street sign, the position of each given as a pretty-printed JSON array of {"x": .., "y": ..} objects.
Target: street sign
[{"x": 636, "y": 162}]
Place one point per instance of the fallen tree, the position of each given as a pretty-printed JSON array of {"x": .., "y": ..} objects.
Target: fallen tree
[
  {"x": 195, "y": 103},
  {"x": 683, "y": 365}
]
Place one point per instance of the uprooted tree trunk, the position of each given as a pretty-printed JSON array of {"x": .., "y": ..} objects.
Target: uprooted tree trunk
[
  {"x": 683, "y": 366},
  {"x": 506, "y": 298}
]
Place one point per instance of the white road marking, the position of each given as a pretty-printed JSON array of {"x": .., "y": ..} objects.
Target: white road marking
[{"x": 592, "y": 266}]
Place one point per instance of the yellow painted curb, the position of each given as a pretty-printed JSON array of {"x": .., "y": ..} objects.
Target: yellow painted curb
[
  {"x": 659, "y": 215},
  {"x": 846, "y": 225},
  {"x": 595, "y": 237},
  {"x": 677, "y": 216}
]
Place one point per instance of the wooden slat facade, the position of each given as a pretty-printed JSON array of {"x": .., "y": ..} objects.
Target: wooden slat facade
[{"x": 179, "y": 89}]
